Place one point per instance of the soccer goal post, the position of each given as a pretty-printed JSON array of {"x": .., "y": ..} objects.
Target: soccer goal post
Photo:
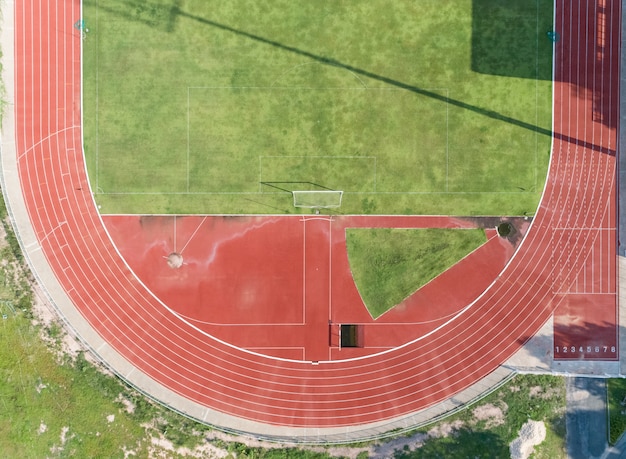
[{"x": 320, "y": 199}]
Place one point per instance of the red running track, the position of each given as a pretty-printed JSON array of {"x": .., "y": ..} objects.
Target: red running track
[
  {"x": 578, "y": 207},
  {"x": 280, "y": 285}
]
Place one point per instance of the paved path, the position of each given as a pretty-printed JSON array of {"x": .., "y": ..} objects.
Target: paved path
[
  {"x": 618, "y": 451},
  {"x": 586, "y": 420}
]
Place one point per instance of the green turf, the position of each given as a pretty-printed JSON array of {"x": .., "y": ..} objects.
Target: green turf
[
  {"x": 390, "y": 264},
  {"x": 617, "y": 408},
  {"x": 410, "y": 107}
]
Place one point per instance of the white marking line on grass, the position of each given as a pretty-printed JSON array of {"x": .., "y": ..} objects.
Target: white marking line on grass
[
  {"x": 375, "y": 173},
  {"x": 188, "y": 134},
  {"x": 447, "y": 139},
  {"x": 256, "y": 193},
  {"x": 318, "y": 156},
  {"x": 97, "y": 118},
  {"x": 260, "y": 174},
  {"x": 325, "y": 88}
]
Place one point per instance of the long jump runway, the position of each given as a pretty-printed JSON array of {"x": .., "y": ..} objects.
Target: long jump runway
[{"x": 566, "y": 263}]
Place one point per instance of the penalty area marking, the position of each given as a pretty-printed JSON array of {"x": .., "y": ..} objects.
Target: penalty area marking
[
  {"x": 191, "y": 98},
  {"x": 285, "y": 161}
]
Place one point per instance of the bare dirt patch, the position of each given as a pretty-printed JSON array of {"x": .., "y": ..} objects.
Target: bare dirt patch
[
  {"x": 535, "y": 391},
  {"x": 415, "y": 441},
  {"x": 491, "y": 414},
  {"x": 56, "y": 449},
  {"x": 42, "y": 428},
  {"x": 129, "y": 406},
  {"x": 206, "y": 450}
]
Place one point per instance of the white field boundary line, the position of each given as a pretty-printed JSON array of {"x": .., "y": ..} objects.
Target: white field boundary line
[
  {"x": 188, "y": 136},
  {"x": 323, "y": 88},
  {"x": 97, "y": 117},
  {"x": 447, "y": 138},
  {"x": 256, "y": 193}
]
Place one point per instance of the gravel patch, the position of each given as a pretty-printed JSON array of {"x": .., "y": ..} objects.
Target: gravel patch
[{"x": 531, "y": 434}]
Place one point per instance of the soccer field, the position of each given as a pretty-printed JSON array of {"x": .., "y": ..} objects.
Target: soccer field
[{"x": 409, "y": 107}]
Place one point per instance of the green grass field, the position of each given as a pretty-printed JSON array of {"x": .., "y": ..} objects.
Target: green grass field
[
  {"x": 389, "y": 264},
  {"x": 413, "y": 107}
]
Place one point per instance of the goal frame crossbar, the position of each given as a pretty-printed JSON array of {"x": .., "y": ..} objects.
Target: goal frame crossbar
[{"x": 318, "y": 199}]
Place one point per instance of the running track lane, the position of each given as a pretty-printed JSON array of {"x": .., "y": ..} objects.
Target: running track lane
[{"x": 75, "y": 244}]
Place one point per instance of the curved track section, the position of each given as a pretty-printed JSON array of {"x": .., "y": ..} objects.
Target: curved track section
[{"x": 227, "y": 386}]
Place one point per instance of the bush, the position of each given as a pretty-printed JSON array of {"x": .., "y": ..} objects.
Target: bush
[{"x": 504, "y": 229}]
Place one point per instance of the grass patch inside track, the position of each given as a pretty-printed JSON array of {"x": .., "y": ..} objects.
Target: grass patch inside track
[
  {"x": 388, "y": 264},
  {"x": 410, "y": 108}
]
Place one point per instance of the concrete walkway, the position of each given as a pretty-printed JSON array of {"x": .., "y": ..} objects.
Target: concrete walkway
[{"x": 586, "y": 419}]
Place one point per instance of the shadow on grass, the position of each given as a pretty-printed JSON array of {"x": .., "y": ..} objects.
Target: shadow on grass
[
  {"x": 165, "y": 16},
  {"x": 296, "y": 186},
  {"x": 464, "y": 443},
  {"x": 505, "y": 43},
  {"x": 505, "y": 38}
]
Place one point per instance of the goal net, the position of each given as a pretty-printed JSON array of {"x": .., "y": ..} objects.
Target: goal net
[{"x": 324, "y": 199}]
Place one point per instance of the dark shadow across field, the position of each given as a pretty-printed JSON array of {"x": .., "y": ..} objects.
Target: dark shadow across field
[
  {"x": 292, "y": 186},
  {"x": 501, "y": 46},
  {"x": 488, "y": 47}
]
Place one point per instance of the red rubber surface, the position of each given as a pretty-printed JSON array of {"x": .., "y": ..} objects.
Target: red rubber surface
[
  {"x": 574, "y": 224},
  {"x": 279, "y": 285}
]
